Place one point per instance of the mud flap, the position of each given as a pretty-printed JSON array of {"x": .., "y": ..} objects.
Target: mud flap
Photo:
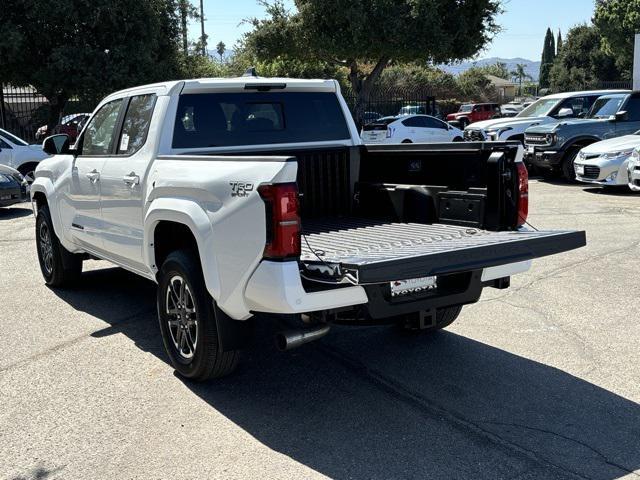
[{"x": 232, "y": 334}]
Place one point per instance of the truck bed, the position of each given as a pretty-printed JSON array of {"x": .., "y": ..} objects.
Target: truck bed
[{"x": 373, "y": 251}]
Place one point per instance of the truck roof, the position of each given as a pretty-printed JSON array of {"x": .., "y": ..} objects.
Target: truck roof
[{"x": 245, "y": 83}]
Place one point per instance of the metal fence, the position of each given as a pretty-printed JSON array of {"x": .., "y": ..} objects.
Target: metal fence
[
  {"x": 387, "y": 102},
  {"x": 23, "y": 110},
  {"x": 616, "y": 85}
]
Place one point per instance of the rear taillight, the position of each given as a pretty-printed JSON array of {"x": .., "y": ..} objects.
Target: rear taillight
[
  {"x": 523, "y": 194},
  {"x": 283, "y": 220}
]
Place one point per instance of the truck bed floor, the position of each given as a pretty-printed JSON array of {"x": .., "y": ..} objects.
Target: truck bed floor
[{"x": 379, "y": 251}]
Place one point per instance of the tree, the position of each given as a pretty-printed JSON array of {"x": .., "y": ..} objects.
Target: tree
[
  {"x": 341, "y": 32},
  {"x": 548, "y": 56},
  {"x": 559, "y": 43},
  {"x": 221, "y": 48},
  {"x": 618, "y": 21},
  {"x": 583, "y": 63},
  {"x": 498, "y": 69},
  {"x": 520, "y": 74},
  {"x": 203, "y": 36},
  {"x": 84, "y": 49}
]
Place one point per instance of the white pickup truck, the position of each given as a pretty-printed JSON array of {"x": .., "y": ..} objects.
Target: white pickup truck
[{"x": 252, "y": 195}]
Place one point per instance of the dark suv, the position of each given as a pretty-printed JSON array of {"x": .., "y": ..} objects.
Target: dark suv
[{"x": 553, "y": 147}]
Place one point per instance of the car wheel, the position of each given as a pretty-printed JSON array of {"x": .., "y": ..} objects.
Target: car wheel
[
  {"x": 458, "y": 139},
  {"x": 568, "y": 168},
  {"x": 406, "y": 141},
  {"x": 188, "y": 324},
  {"x": 444, "y": 317},
  {"x": 59, "y": 267}
]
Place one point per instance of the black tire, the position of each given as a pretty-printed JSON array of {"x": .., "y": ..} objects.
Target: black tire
[
  {"x": 59, "y": 267},
  {"x": 567, "y": 167},
  {"x": 444, "y": 317},
  {"x": 205, "y": 360},
  {"x": 406, "y": 140},
  {"x": 458, "y": 139}
]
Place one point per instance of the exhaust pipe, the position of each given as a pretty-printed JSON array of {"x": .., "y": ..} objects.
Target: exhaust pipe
[{"x": 295, "y": 338}]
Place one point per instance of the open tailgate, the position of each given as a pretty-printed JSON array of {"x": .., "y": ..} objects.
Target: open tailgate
[{"x": 376, "y": 252}]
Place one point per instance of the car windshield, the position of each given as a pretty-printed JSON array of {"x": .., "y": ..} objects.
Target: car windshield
[
  {"x": 604, "y": 107},
  {"x": 540, "y": 108},
  {"x": 465, "y": 108},
  {"x": 12, "y": 138}
]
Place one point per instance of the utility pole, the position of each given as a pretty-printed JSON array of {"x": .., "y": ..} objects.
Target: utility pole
[
  {"x": 636, "y": 63},
  {"x": 203, "y": 38}
]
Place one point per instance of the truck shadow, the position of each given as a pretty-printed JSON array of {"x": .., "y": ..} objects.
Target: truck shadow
[
  {"x": 9, "y": 213},
  {"x": 372, "y": 403}
]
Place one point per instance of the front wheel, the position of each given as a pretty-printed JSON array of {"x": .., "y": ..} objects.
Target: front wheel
[
  {"x": 444, "y": 317},
  {"x": 59, "y": 267},
  {"x": 568, "y": 167},
  {"x": 188, "y": 321}
]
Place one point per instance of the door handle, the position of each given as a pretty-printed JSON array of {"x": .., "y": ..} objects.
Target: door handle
[
  {"x": 93, "y": 175},
  {"x": 131, "y": 179}
]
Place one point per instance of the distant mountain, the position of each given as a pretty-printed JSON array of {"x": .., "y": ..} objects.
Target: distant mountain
[{"x": 532, "y": 68}]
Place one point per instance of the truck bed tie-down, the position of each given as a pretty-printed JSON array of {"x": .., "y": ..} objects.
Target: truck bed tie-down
[{"x": 371, "y": 251}]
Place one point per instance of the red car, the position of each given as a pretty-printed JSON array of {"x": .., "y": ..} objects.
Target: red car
[
  {"x": 474, "y": 112},
  {"x": 70, "y": 124}
]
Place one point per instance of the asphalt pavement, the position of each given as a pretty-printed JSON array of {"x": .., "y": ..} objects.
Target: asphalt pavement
[{"x": 540, "y": 381}]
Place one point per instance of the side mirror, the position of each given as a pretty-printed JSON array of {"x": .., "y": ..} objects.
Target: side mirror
[
  {"x": 620, "y": 116},
  {"x": 565, "y": 112},
  {"x": 56, "y": 144}
]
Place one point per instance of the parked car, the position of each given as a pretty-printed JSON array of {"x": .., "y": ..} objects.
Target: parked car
[
  {"x": 606, "y": 163},
  {"x": 547, "y": 109},
  {"x": 13, "y": 187},
  {"x": 70, "y": 125},
  {"x": 201, "y": 186},
  {"x": 18, "y": 154},
  {"x": 554, "y": 147},
  {"x": 410, "y": 129},
  {"x": 633, "y": 171},
  {"x": 508, "y": 110},
  {"x": 474, "y": 112}
]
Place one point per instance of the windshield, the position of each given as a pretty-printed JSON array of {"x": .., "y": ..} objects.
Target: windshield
[
  {"x": 604, "y": 107},
  {"x": 13, "y": 138},
  {"x": 229, "y": 119},
  {"x": 465, "y": 108},
  {"x": 540, "y": 108}
]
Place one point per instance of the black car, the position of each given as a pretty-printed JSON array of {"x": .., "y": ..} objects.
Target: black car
[{"x": 13, "y": 187}]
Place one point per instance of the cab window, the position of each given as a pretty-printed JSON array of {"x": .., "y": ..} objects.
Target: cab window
[
  {"x": 136, "y": 124},
  {"x": 99, "y": 134}
]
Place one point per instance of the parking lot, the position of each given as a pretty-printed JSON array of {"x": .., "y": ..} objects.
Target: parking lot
[{"x": 538, "y": 381}]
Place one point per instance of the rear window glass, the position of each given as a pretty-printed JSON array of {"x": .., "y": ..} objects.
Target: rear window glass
[
  {"x": 207, "y": 120},
  {"x": 606, "y": 106}
]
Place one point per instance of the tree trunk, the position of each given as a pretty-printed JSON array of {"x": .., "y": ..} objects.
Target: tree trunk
[
  {"x": 362, "y": 86},
  {"x": 184, "y": 12}
]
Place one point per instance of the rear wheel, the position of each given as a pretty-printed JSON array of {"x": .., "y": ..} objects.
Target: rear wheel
[
  {"x": 444, "y": 317},
  {"x": 406, "y": 141},
  {"x": 59, "y": 267},
  {"x": 188, "y": 324},
  {"x": 458, "y": 139}
]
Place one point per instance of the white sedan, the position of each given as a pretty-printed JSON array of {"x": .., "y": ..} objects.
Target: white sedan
[
  {"x": 605, "y": 163},
  {"x": 410, "y": 129},
  {"x": 18, "y": 154}
]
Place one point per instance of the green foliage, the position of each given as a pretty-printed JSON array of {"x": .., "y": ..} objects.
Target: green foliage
[
  {"x": 474, "y": 84},
  {"x": 548, "y": 57},
  {"x": 582, "y": 63},
  {"x": 220, "y": 49},
  {"x": 498, "y": 69},
  {"x": 87, "y": 48},
  {"x": 366, "y": 35},
  {"x": 618, "y": 21},
  {"x": 520, "y": 75},
  {"x": 559, "y": 43}
]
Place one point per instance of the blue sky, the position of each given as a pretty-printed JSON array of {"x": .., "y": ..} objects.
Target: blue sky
[{"x": 524, "y": 23}]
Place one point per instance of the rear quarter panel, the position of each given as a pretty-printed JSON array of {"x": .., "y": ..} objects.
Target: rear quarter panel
[{"x": 228, "y": 222}]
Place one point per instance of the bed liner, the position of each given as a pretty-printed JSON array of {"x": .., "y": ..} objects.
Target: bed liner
[{"x": 376, "y": 251}]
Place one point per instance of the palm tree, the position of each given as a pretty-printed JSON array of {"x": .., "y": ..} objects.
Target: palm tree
[
  {"x": 221, "y": 48},
  {"x": 520, "y": 75}
]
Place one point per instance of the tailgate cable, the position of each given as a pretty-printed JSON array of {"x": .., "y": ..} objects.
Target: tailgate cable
[{"x": 347, "y": 276}]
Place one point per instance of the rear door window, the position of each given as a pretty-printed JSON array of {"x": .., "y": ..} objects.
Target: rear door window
[
  {"x": 136, "y": 124},
  {"x": 414, "y": 122},
  {"x": 206, "y": 120},
  {"x": 633, "y": 109}
]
